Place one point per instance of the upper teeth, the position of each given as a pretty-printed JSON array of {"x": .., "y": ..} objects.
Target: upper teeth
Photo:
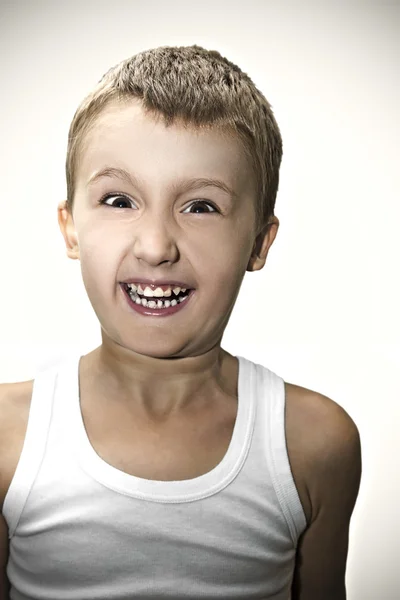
[{"x": 159, "y": 292}]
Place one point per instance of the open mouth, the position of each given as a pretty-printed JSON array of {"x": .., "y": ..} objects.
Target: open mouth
[{"x": 158, "y": 303}]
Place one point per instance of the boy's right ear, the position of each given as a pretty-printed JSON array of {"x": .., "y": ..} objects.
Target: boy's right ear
[{"x": 67, "y": 229}]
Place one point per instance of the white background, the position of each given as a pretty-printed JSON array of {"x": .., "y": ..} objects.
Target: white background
[{"x": 324, "y": 312}]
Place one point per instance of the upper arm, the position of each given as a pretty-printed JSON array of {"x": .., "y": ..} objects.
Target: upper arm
[
  {"x": 335, "y": 474},
  {"x": 4, "y": 584},
  {"x": 4, "y": 545},
  {"x": 14, "y": 411}
]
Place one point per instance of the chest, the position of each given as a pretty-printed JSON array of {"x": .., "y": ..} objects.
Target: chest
[
  {"x": 186, "y": 447},
  {"x": 183, "y": 448}
]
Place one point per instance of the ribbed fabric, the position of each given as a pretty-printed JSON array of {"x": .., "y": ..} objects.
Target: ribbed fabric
[{"x": 81, "y": 529}]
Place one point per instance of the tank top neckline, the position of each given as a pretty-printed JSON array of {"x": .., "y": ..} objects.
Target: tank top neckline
[{"x": 163, "y": 491}]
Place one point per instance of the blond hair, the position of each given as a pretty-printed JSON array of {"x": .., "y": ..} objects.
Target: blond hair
[{"x": 199, "y": 88}]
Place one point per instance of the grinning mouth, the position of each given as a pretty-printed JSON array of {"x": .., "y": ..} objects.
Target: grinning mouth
[{"x": 156, "y": 301}]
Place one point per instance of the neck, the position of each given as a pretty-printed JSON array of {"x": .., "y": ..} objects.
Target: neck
[{"x": 159, "y": 387}]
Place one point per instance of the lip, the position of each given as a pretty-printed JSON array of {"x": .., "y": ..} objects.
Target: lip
[
  {"x": 156, "y": 312},
  {"x": 158, "y": 282}
]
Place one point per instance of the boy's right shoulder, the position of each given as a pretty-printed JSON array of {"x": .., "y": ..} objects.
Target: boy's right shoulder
[{"x": 15, "y": 402}]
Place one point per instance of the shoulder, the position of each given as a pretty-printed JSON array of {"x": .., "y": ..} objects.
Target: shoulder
[
  {"x": 15, "y": 400},
  {"x": 324, "y": 447},
  {"x": 324, "y": 450}
]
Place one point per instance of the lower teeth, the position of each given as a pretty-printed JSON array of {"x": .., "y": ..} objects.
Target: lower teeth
[{"x": 158, "y": 303}]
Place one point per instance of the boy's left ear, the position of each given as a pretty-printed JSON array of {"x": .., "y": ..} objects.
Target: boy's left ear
[{"x": 262, "y": 244}]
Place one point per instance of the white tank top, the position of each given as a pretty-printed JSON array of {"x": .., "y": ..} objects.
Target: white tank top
[{"x": 81, "y": 529}]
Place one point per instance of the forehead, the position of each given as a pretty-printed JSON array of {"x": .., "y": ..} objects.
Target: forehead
[{"x": 124, "y": 136}]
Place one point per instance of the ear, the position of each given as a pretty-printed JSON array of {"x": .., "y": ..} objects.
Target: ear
[
  {"x": 262, "y": 244},
  {"x": 67, "y": 227}
]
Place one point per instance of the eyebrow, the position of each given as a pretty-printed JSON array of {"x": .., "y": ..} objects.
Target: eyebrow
[{"x": 183, "y": 186}]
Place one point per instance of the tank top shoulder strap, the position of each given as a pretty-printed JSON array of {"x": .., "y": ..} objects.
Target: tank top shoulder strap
[{"x": 273, "y": 386}]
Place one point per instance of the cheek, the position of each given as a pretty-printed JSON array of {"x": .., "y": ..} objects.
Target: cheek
[
  {"x": 230, "y": 247},
  {"x": 99, "y": 238},
  {"x": 224, "y": 264},
  {"x": 99, "y": 257}
]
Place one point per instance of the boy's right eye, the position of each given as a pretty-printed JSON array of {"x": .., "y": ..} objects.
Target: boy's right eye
[{"x": 122, "y": 197}]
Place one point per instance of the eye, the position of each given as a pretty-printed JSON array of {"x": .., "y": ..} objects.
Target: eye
[
  {"x": 200, "y": 202},
  {"x": 122, "y": 197}
]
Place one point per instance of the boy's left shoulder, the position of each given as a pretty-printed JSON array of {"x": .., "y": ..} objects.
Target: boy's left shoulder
[
  {"x": 323, "y": 442},
  {"x": 324, "y": 451}
]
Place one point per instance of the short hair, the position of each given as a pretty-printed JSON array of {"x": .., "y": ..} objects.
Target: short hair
[{"x": 199, "y": 88}]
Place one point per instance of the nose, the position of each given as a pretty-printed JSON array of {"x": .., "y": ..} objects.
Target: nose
[{"x": 154, "y": 242}]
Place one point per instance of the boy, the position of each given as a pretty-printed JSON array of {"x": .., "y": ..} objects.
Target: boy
[{"x": 159, "y": 465}]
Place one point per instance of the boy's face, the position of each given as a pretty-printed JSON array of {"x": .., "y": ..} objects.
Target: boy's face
[{"x": 158, "y": 232}]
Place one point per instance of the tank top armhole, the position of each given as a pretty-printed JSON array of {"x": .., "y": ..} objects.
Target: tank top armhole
[
  {"x": 33, "y": 448},
  {"x": 282, "y": 476}
]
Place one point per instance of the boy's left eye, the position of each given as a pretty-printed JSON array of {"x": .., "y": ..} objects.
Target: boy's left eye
[
  {"x": 200, "y": 202},
  {"x": 126, "y": 200}
]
